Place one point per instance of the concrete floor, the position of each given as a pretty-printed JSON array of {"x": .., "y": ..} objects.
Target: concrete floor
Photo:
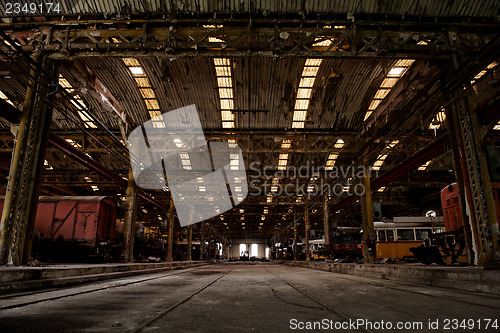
[{"x": 246, "y": 297}]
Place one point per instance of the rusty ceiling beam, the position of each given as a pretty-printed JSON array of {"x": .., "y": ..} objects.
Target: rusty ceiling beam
[{"x": 353, "y": 41}]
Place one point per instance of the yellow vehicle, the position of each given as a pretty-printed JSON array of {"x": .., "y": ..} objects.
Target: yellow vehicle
[
  {"x": 395, "y": 238},
  {"x": 317, "y": 247}
]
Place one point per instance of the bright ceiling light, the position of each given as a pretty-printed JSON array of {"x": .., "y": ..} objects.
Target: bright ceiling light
[
  {"x": 136, "y": 70},
  {"x": 339, "y": 144},
  {"x": 396, "y": 72}
]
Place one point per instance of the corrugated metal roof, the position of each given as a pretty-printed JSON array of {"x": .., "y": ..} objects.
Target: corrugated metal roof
[{"x": 432, "y": 8}]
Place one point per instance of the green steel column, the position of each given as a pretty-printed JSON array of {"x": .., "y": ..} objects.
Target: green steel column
[{"x": 21, "y": 198}]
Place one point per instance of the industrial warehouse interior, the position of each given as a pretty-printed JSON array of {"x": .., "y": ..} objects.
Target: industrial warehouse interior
[{"x": 249, "y": 165}]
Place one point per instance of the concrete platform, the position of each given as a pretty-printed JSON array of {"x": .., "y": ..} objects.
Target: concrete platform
[
  {"x": 247, "y": 297},
  {"x": 29, "y": 278},
  {"x": 459, "y": 278}
]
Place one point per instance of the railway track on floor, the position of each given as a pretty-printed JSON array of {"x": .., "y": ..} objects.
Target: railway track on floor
[
  {"x": 316, "y": 300},
  {"x": 381, "y": 285},
  {"x": 168, "y": 309},
  {"x": 109, "y": 285}
]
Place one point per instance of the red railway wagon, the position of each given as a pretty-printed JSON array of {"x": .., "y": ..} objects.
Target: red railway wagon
[
  {"x": 450, "y": 244},
  {"x": 81, "y": 225},
  {"x": 451, "y": 206}
]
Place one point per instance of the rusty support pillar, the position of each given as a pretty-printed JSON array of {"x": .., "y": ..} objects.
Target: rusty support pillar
[
  {"x": 307, "y": 227},
  {"x": 288, "y": 231},
  {"x": 209, "y": 243},
  {"x": 295, "y": 237},
  {"x": 21, "y": 198},
  {"x": 326, "y": 223},
  {"x": 464, "y": 193},
  {"x": 171, "y": 231},
  {"x": 190, "y": 242},
  {"x": 369, "y": 250},
  {"x": 476, "y": 180},
  {"x": 129, "y": 223},
  {"x": 202, "y": 241}
]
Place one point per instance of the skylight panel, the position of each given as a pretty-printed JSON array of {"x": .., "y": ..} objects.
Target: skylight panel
[
  {"x": 152, "y": 104},
  {"x": 301, "y": 104},
  {"x": 388, "y": 83},
  {"x": 146, "y": 90},
  {"x": 404, "y": 63},
  {"x": 310, "y": 71},
  {"x": 224, "y": 82},
  {"x": 222, "y": 62},
  {"x": 147, "y": 93},
  {"x": 283, "y": 156},
  {"x": 298, "y": 124},
  {"x": 367, "y": 115},
  {"x": 313, "y": 62},
  {"x": 223, "y": 71},
  {"x": 374, "y": 104},
  {"x": 131, "y": 62},
  {"x": 424, "y": 166},
  {"x": 333, "y": 156},
  {"x": 286, "y": 144},
  {"x": 306, "y": 82},
  {"x": 225, "y": 93},
  {"x": 304, "y": 93},
  {"x": 322, "y": 42},
  {"x": 215, "y": 40},
  {"x": 227, "y": 116},
  {"x": 154, "y": 114},
  {"x": 299, "y": 115},
  {"x": 226, "y": 104},
  {"x": 5, "y": 98},
  {"x": 142, "y": 82},
  {"x": 381, "y": 93}
]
